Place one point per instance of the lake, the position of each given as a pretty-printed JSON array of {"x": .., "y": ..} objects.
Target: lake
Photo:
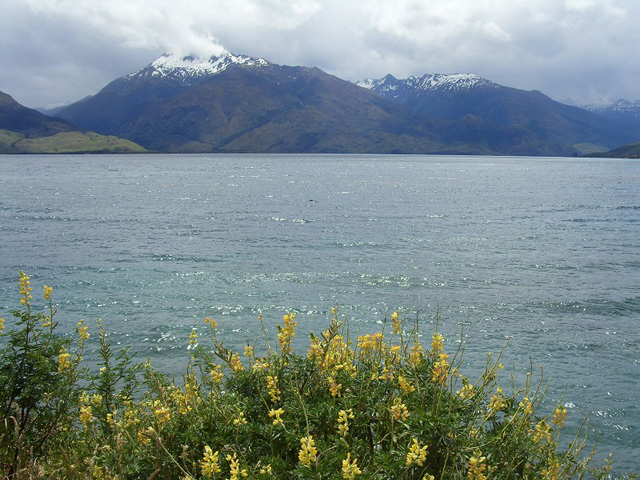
[{"x": 542, "y": 253}]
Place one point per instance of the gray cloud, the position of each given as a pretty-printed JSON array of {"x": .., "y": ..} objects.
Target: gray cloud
[{"x": 56, "y": 51}]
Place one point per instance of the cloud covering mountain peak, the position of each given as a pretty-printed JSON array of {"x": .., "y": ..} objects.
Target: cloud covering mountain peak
[{"x": 189, "y": 67}]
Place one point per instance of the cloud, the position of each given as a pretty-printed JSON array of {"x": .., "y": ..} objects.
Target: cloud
[
  {"x": 183, "y": 27},
  {"x": 584, "y": 50}
]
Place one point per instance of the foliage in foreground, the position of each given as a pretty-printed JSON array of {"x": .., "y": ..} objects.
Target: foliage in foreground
[{"x": 375, "y": 406}]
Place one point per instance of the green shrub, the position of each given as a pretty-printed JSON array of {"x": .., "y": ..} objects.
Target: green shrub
[{"x": 374, "y": 406}]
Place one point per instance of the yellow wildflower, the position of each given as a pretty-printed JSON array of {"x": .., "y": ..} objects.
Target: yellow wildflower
[
  {"x": 405, "y": 385},
  {"x": 315, "y": 352},
  {"x": 86, "y": 415},
  {"x": 64, "y": 360},
  {"x": 248, "y": 351},
  {"x": 1, "y": 324},
  {"x": 343, "y": 421},
  {"x": 394, "y": 354},
  {"x": 193, "y": 338},
  {"x": 477, "y": 466},
  {"x": 339, "y": 355},
  {"x": 436, "y": 344},
  {"x": 308, "y": 452},
  {"x": 83, "y": 333},
  {"x": 287, "y": 333},
  {"x": 276, "y": 413},
  {"x": 111, "y": 421},
  {"x": 467, "y": 390},
  {"x": 161, "y": 412},
  {"x": 130, "y": 415},
  {"x": 240, "y": 420},
  {"x": 350, "y": 469},
  {"x": 47, "y": 292},
  {"x": 234, "y": 467},
  {"x": 417, "y": 455},
  {"x": 236, "y": 363},
  {"x": 25, "y": 288},
  {"x": 145, "y": 435},
  {"x": 387, "y": 374},
  {"x": 369, "y": 345},
  {"x": 526, "y": 405},
  {"x": 440, "y": 369},
  {"x": 399, "y": 410},
  {"x": 396, "y": 322},
  {"x": 210, "y": 462},
  {"x": 212, "y": 323},
  {"x": 334, "y": 387},
  {"x": 261, "y": 365},
  {"x": 559, "y": 416},
  {"x": 497, "y": 401},
  {"x": 272, "y": 388},
  {"x": 216, "y": 374},
  {"x": 191, "y": 392},
  {"x": 415, "y": 354},
  {"x": 266, "y": 470},
  {"x": 542, "y": 432},
  {"x": 96, "y": 400}
]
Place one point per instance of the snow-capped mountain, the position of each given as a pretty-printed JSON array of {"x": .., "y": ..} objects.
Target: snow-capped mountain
[
  {"x": 622, "y": 111},
  {"x": 457, "y": 82},
  {"x": 238, "y": 103},
  {"x": 446, "y": 96},
  {"x": 453, "y": 97},
  {"x": 187, "y": 69}
]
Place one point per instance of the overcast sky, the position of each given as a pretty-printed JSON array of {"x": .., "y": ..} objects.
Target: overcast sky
[{"x": 583, "y": 51}]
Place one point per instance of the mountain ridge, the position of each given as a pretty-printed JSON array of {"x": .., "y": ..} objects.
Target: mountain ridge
[
  {"x": 453, "y": 82},
  {"x": 247, "y": 104}
]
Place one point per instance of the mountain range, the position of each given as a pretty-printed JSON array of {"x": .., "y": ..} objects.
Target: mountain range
[
  {"x": 237, "y": 103},
  {"x": 541, "y": 121}
]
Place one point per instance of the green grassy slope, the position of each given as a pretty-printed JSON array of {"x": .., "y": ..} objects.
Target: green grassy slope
[
  {"x": 77, "y": 142},
  {"x": 7, "y": 139},
  {"x": 66, "y": 142}
]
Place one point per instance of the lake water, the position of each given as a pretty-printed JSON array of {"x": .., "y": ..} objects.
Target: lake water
[{"x": 541, "y": 252}]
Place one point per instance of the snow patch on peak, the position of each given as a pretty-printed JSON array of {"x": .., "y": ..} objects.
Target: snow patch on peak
[
  {"x": 622, "y": 109},
  {"x": 368, "y": 83},
  {"x": 187, "y": 68},
  {"x": 454, "y": 81},
  {"x": 431, "y": 81},
  {"x": 621, "y": 105},
  {"x": 387, "y": 84}
]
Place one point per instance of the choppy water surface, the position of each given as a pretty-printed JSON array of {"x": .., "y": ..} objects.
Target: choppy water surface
[{"x": 544, "y": 253}]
